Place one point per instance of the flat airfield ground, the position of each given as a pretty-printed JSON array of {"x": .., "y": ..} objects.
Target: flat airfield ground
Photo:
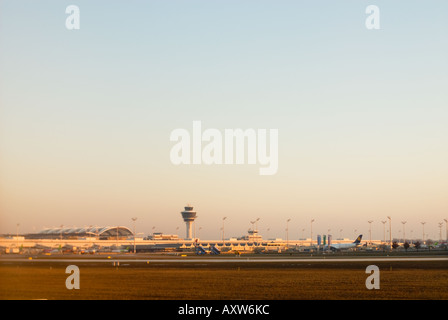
[{"x": 156, "y": 277}]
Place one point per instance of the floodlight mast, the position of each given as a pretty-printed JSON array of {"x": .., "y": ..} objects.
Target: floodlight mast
[
  {"x": 423, "y": 232},
  {"x": 370, "y": 231},
  {"x": 17, "y": 234},
  {"x": 311, "y": 230},
  {"x": 223, "y": 228},
  {"x": 404, "y": 231},
  {"x": 134, "y": 219},
  {"x": 390, "y": 231},
  {"x": 446, "y": 227}
]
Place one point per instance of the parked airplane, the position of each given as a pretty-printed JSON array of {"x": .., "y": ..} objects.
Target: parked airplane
[{"x": 345, "y": 246}]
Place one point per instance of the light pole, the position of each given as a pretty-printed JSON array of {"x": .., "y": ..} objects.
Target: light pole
[
  {"x": 223, "y": 228},
  {"x": 446, "y": 227},
  {"x": 384, "y": 231},
  {"x": 17, "y": 234},
  {"x": 256, "y": 228},
  {"x": 404, "y": 231},
  {"x": 390, "y": 231},
  {"x": 370, "y": 231},
  {"x": 134, "y": 219},
  {"x": 311, "y": 230},
  {"x": 423, "y": 233},
  {"x": 252, "y": 223},
  {"x": 287, "y": 234}
]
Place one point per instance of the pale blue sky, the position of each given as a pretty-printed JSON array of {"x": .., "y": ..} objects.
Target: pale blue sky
[{"x": 85, "y": 115}]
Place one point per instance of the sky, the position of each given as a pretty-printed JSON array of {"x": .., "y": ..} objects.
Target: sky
[{"x": 362, "y": 115}]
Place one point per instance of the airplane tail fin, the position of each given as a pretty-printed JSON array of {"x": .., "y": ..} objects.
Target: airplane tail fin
[{"x": 358, "y": 240}]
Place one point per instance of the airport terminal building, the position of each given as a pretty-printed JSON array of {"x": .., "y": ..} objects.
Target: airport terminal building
[
  {"x": 122, "y": 238},
  {"x": 100, "y": 233}
]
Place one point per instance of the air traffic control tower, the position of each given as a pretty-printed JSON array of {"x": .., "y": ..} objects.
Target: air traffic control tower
[{"x": 189, "y": 215}]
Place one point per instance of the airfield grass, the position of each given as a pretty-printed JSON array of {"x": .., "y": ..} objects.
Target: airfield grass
[{"x": 398, "y": 280}]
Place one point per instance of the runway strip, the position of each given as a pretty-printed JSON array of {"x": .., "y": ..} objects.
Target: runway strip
[{"x": 230, "y": 260}]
